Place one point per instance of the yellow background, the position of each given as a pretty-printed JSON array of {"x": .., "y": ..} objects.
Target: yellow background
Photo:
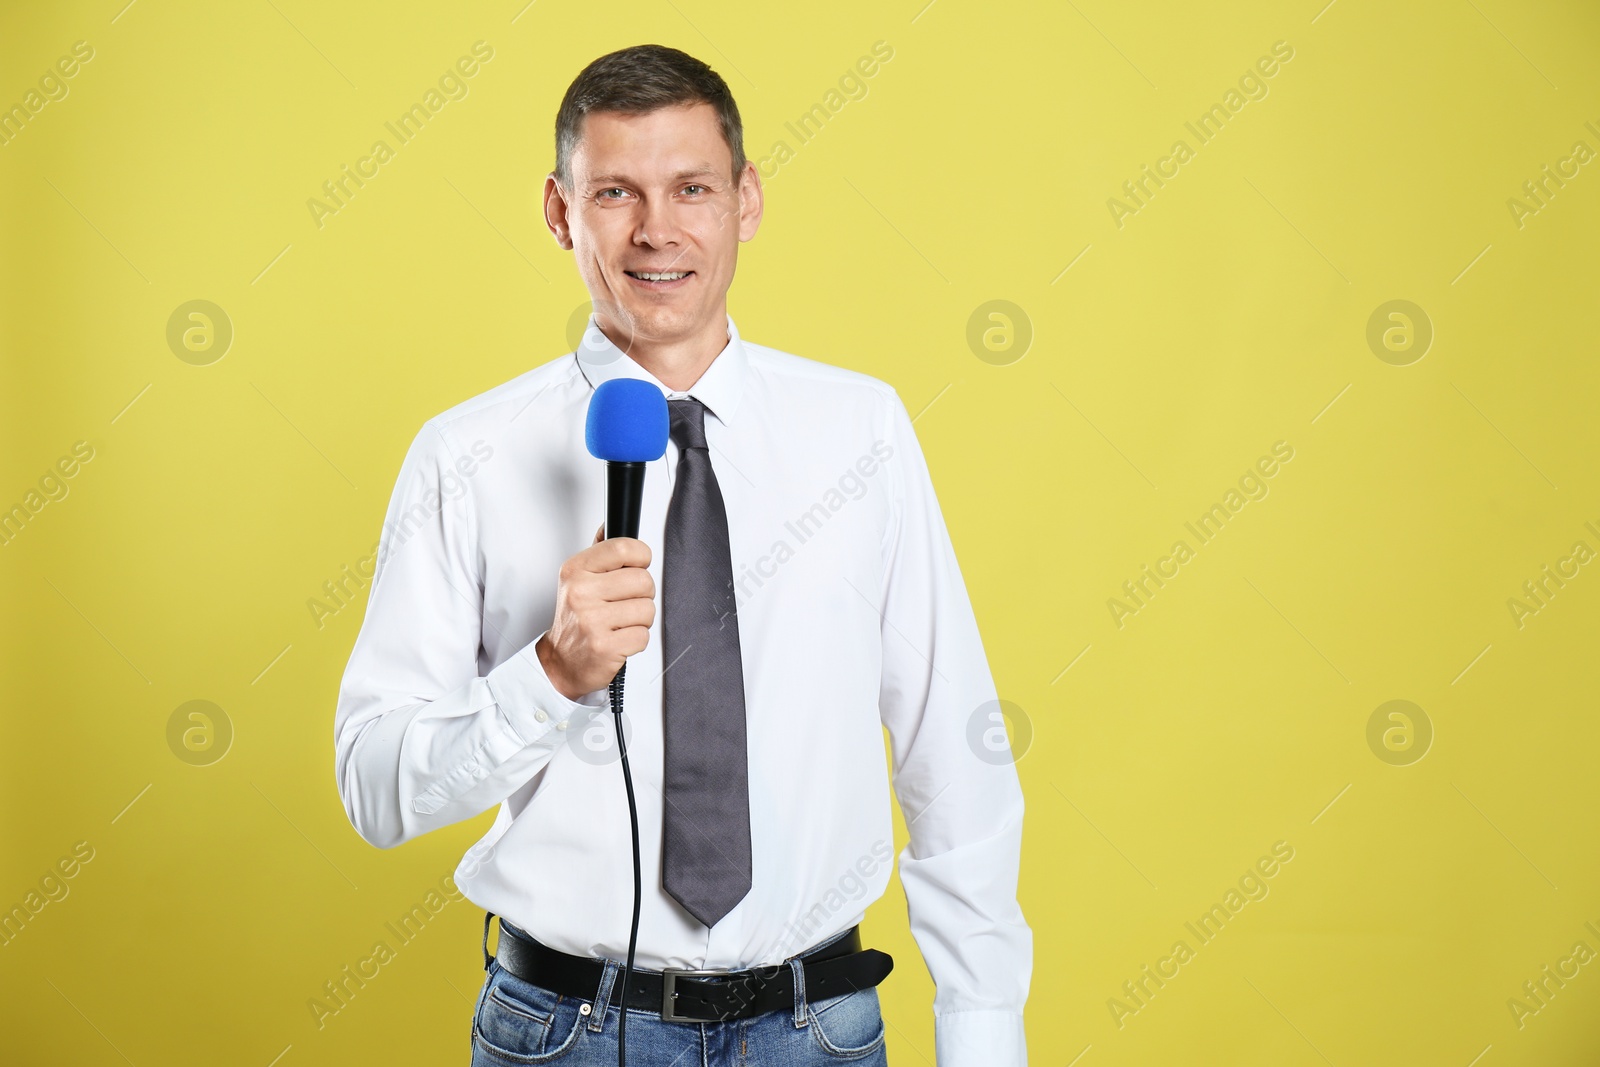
[{"x": 1229, "y": 313}]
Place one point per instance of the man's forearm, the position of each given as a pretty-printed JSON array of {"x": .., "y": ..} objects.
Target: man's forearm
[{"x": 410, "y": 769}]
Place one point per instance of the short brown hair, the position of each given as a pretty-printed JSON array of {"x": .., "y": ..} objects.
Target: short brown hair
[{"x": 641, "y": 79}]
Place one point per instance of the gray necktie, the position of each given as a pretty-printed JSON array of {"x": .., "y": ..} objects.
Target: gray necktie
[{"x": 706, "y": 866}]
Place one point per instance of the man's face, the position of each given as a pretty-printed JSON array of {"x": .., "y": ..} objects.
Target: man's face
[{"x": 654, "y": 219}]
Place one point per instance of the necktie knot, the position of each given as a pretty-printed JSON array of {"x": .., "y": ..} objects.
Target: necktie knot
[{"x": 688, "y": 423}]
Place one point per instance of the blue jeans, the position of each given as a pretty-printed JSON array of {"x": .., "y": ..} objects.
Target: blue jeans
[{"x": 517, "y": 1022}]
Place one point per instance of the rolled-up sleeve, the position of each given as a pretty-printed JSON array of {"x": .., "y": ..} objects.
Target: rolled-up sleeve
[
  {"x": 421, "y": 740},
  {"x": 963, "y": 811}
]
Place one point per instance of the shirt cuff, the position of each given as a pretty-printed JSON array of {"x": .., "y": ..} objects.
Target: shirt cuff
[
  {"x": 530, "y": 702},
  {"x": 980, "y": 1039}
]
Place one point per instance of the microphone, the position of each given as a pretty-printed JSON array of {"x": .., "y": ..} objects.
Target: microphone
[{"x": 627, "y": 426}]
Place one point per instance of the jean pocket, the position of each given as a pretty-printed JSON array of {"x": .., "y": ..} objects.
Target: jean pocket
[
  {"x": 848, "y": 1026},
  {"x": 521, "y": 1023}
]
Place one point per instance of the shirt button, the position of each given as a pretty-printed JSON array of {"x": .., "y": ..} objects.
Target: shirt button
[
  {"x": 562, "y": 725},
  {"x": 540, "y": 715}
]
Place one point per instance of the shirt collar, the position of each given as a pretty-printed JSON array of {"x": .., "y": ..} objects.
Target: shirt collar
[{"x": 720, "y": 387}]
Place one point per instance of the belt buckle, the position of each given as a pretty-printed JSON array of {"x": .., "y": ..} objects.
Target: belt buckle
[{"x": 669, "y": 994}]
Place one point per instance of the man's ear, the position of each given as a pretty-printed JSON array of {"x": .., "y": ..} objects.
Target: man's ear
[
  {"x": 555, "y": 212},
  {"x": 751, "y": 201}
]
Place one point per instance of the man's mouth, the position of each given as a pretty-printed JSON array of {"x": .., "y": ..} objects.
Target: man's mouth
[{"x": 659, "y": 279}]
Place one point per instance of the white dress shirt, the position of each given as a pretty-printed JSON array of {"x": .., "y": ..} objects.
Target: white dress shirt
[{"x": 852, "y": 616}]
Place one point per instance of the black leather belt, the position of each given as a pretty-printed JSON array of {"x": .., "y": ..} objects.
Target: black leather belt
[{"x": 694, "y": 996}]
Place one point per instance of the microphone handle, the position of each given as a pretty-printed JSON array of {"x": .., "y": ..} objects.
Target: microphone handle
[{"x": 624, "y": 497}]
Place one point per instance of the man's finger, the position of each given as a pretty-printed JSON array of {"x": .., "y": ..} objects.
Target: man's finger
[
  {"x": 600, "y": 534},
  {"x": 628, "y": 583},
  {"x": 616, "y": 552}
]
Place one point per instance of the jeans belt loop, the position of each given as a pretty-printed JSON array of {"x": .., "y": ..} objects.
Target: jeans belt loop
[
  {"x": 609, "y": 983},
  {"x": 799, "y": 992}
]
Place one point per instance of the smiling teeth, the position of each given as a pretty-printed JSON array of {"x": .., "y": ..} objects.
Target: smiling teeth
[{"x": 667, "y": 276}]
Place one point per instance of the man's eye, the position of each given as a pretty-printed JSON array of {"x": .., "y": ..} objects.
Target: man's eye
[
  {"x": 692, "y": 188},
  {"x": 605, "y": 194}
]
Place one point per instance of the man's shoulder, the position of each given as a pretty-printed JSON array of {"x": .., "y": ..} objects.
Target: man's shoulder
[
  {"x": 500, "y": 404},
  {"x": 799, "y": 370}
]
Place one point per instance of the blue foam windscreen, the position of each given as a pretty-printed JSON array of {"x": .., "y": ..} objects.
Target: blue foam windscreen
[{"x": 627, "y": 422}]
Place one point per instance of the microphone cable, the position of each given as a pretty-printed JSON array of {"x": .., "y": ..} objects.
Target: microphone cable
[{"x": 633, "y": 819}]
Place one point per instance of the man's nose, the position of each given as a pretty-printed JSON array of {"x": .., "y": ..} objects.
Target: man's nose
[{"x": 657, "y": 228}]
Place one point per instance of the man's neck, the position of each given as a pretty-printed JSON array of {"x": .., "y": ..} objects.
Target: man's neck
[{"x": 679, "y": 363}]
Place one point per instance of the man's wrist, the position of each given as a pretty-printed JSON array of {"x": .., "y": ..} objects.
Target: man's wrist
[
  {"x": 986, "y": 1037},
  {"x": 529, "y": 699},
  {"x": 552, "y": 667}
]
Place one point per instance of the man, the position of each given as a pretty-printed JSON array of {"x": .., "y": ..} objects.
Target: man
[{"x": 809, "y": 598}]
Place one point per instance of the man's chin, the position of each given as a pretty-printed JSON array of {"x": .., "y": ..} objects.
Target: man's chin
[{"x": 660, "y": 323}]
